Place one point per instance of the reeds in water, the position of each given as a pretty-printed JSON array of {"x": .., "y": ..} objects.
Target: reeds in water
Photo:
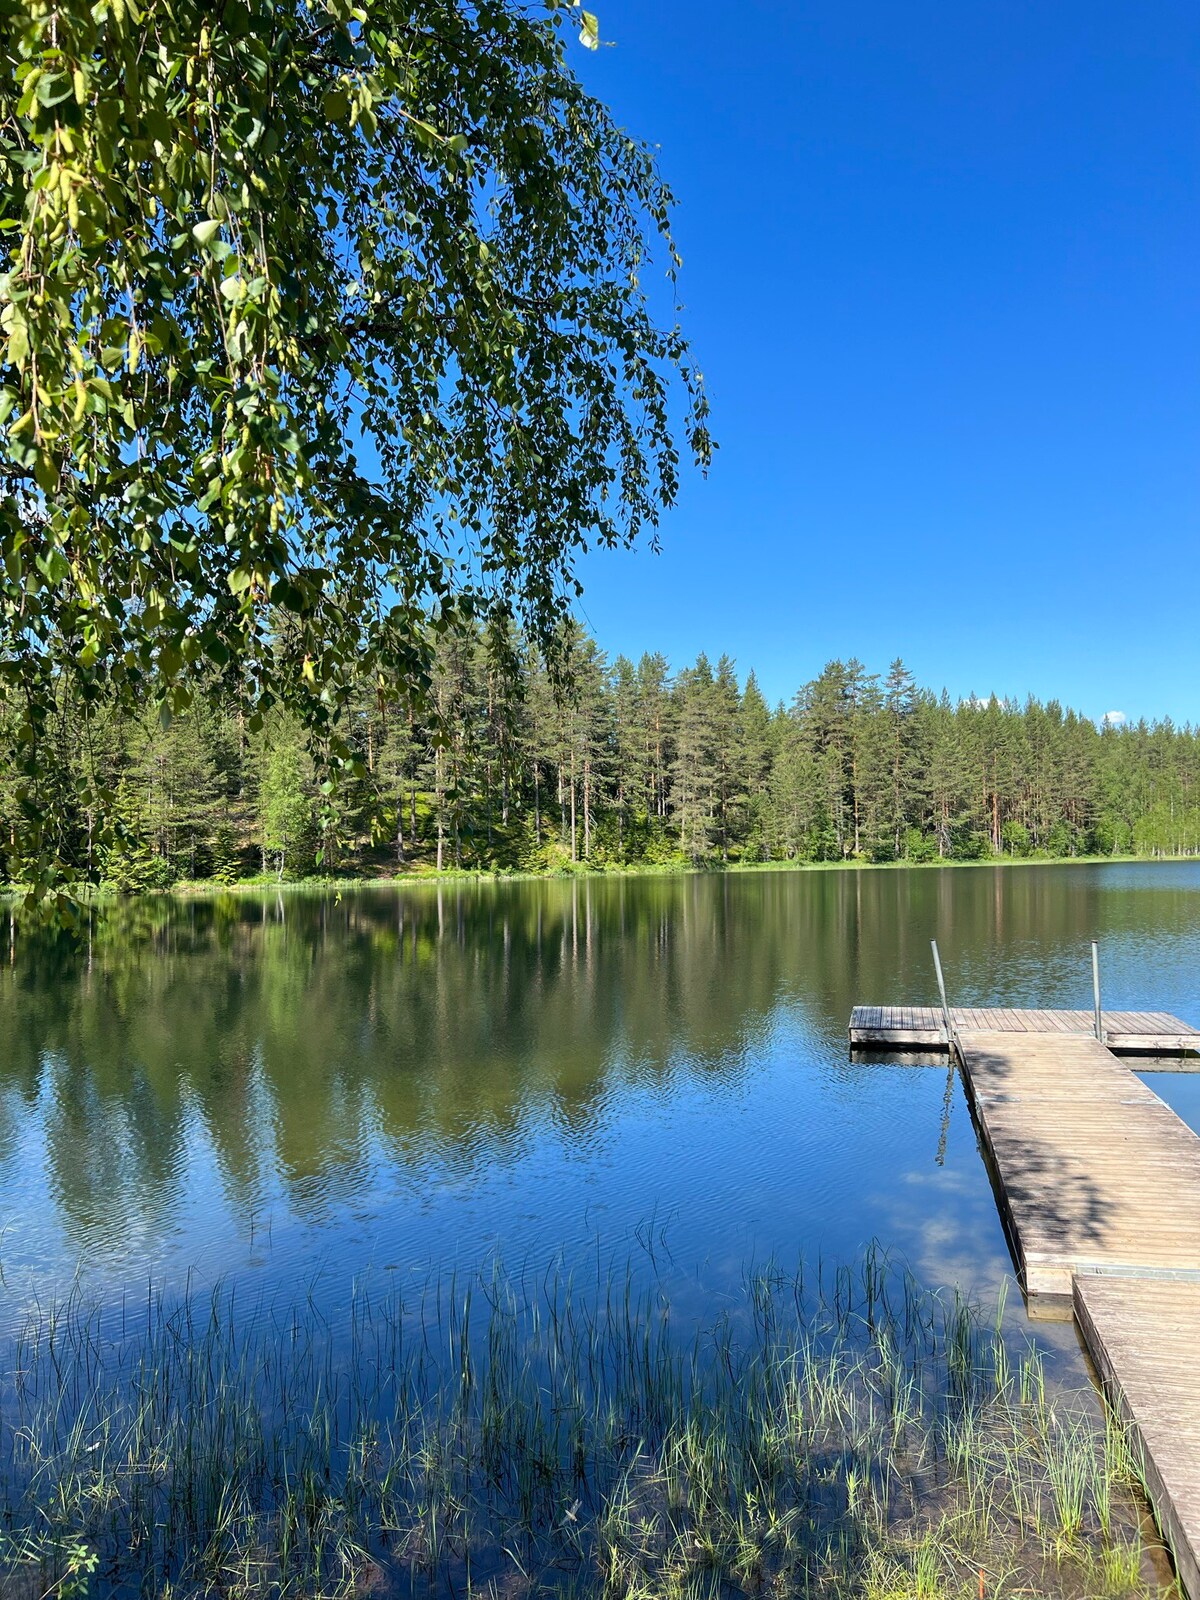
[{"x": 856, "y": 1436}]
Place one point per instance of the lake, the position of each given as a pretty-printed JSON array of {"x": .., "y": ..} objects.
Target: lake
[{"x": 310, "y": 1090}]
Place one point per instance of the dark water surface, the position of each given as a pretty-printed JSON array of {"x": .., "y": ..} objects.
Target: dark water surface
[{"x": 301, "y": 1090}]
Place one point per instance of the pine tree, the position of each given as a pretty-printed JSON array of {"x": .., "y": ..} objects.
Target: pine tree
[
  {"x": 899, "y": 707},
  {"x": 511, "y": 764},
  {"x": 695, "y": 771},
  {"x": 288, "y": 819},
  {"x": 657, "y": 705},
  {"x": 730, "y": 789},
  {"x": 401, "y": 752},
  {"x": 631, "y": 765},
  {"x": 759, "y": 751}
]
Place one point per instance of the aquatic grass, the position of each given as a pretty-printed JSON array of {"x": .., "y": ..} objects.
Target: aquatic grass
[{"x": 845, "y": 1433}]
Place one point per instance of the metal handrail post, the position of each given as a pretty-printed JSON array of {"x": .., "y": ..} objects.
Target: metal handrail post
[
  {"x": 941, "y": 981},
  {"x": 1096, "y": 990}
]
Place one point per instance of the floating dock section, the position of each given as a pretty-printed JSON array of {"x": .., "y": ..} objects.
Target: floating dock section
[
  {"x": 1098, "y": 1184},
  {"x": 1142, "y": 1334},
  {"x": 924, "y": 1028}
]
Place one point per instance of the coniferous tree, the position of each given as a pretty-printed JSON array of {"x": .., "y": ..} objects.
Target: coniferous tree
[
  {"x": 902, "y": 751},
  {"x": 729, "y": 784},
  {"x": 758, "y": 741},
  {"x": 658, "y": 725},
  {"x": 523, "y": 761},
  {"x": 695, "y": 770},
  {"x": 286, "y": 802},
  {"x": 631, "y": 760}
]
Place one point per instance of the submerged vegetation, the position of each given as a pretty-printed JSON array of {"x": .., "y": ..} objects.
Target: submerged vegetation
[
  {"x": 845, "y": 1434},
  {"x": 630, "y": 766}
]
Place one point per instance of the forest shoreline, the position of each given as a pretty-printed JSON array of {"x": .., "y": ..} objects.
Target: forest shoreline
[
  {"x": 642, "y": 769},
  {"x": 205, "y": 888},
  {"x": 208, "y": 889}
]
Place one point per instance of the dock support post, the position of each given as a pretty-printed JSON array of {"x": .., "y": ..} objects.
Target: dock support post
[
  {"x": 937, "y": 964},
  {"x": 1096, "y": 990}
]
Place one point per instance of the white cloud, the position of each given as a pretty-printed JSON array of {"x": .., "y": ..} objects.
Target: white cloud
[{"x": 1114, "y": 718}]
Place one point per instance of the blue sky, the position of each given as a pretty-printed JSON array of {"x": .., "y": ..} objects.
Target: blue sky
[{"x": 941, "y": 275}]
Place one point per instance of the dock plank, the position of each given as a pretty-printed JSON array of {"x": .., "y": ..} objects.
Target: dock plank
[
  {"x": 1088, "y": 1188},
  {"x": 1126, "y": 1032},
  {"x": 1142, "y": 1336}
]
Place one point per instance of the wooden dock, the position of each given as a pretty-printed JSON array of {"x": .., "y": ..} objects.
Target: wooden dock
[
  {"x": 1098, "y": 1183},
  {"x": 1143, "y": 1336},
  {"x": 1092, "y": 1171},
  {"x": 924, "y": 1027}
]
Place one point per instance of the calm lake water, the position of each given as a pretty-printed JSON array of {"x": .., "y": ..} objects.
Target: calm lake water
[{"x": 304, "y": 1090}]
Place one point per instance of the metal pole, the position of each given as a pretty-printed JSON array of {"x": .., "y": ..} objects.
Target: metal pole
[
  {"x": 937, "y": 963},
  {"x": 1096, "y": 990}
]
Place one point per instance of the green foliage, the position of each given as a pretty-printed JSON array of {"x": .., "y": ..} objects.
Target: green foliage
[
  {"x": 1061, "y": 840},
  {"x": 509, "y": 769},
  {"x": 919, "y": 846},
  {"x": 289, "y": 824},
  {"x": 968, "y": 843},
  {"x": 1016, "y": 838},
  {"x": 320, "y": 321},
  {"x": 1170, "y": 824},
  {"x": 226, "y": 857},
  {"x": 128, "y": 861}
]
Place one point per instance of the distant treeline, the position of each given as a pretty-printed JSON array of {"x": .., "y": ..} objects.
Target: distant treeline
[{"x": 633, "y": 764}]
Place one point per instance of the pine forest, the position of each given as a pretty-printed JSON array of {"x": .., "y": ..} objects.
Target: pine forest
[{"x": 632, "y": 765}]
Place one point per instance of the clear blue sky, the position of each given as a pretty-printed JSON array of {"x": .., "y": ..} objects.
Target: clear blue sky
[{"x": 941, "y": 270}]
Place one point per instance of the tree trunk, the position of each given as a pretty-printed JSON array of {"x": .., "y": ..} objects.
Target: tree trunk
[
  {"x": 439, "y": 797},
  {"x": 574, "y": 848},
  {"x": 587, "y": 808}
]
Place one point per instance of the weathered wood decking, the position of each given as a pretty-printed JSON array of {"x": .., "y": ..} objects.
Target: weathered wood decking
[
  {"x": 1098, "y": 1183},
  {"x": 924, "y": 1027},
  {"x": 1093, "y": 1172},
  {"x": 1144, "y": 1336}
]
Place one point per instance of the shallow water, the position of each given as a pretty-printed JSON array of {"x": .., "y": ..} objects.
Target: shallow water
[{"x": 302, "y": 1090}]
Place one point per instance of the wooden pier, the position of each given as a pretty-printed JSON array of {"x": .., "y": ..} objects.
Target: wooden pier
[
  {"x": 924, "y": 1027},
  {"x": 1143, "y": 1337},
  {"x": 1098, "y": 1183},
  {"x": 1093, "y": 1172}
]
